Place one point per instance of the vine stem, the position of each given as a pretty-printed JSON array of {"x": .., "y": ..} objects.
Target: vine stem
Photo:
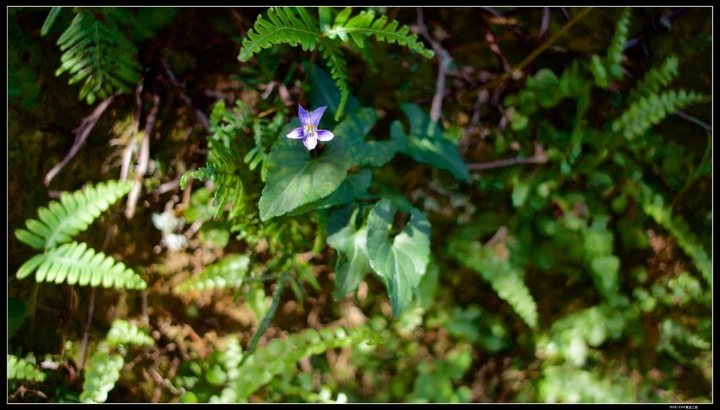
[
  {"x": 268, "y": 317},
  {"x": 31, "y": 312}
]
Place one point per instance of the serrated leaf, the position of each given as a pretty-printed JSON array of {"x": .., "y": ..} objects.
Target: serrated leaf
[
  {"x": 426, "y": 144},
  {"x": 402, "y": 262},
  {"x": 505, "y": 278},
  {"x": 353, "y": 262}
]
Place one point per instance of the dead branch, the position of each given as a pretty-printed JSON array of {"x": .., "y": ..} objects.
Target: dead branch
[
  {"x": 81, "y": 134},
  {"x": 539, "y": 157}
]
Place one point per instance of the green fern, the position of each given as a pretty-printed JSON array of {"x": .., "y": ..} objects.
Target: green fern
[
  {"x": 365, "y": 25},
  {"x": 104, "y": 371},
  {"x": 72, "y": 215},
  {"x": 19, "y": 369},
  {"x": 124, "y": 333},
  {"x": 505, "y": 279},
  {"x": 286, "y": 27},
  {"x": 227, "y": 273},
  {"x": 281, "y": 356},
  {"x": 74, "y": 263},
  {"x": 95, "y": 51},
  {"x": 657, "y": 78},
  {"x": 105, "y": 364},
  {"x": 650, "y": 110},
  {"x": 617, "y": 45},
  {"x": 608, "y": 68},
  {"x": 222, "y": 162},
  {"x": 654, "y": 206}
]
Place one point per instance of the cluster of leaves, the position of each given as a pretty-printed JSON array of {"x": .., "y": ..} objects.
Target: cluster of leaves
[
  {"x": 296, "y": 26},
  {"x": 68, "y": 262},
  {"x": 578, "y": 222},
  {"x": 227, "y": 377},
  {"x": 107, "y": 361}
]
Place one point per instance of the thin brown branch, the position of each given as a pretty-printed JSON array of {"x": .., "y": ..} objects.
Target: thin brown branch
[
  {"x": 81, "y": 134},
  {"x": 444, "y": 60},
  {"x": 694, "y": 120},
  {"x": 539, "y": 157}
]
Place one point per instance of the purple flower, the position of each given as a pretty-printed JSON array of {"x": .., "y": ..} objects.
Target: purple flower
[{"x": 309, "y": 132}]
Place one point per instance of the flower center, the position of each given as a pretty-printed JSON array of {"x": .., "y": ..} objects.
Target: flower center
[{"x": 310, "y": 129}]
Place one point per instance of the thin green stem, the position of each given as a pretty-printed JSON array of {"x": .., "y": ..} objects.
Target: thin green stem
[
  {"x": 268, "y": 317},
  {"x": 31, "y": 313}
]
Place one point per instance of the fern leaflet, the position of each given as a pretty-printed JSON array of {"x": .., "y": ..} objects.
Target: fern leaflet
[
  {"x": 98, "y": 53},
  {"x": 105, "y": 365},
  {"x": 650, "y": 110},
  {"x": 285, "y": 27},
  {"x": 74, "y": 263},
  {"x": 504, "y": 278},
  {"x": 72, "y": 215},
  {"x": 365, "y": 25},
  {"x": 227, "y": 273},
  {"x": 19, "y": 369}
]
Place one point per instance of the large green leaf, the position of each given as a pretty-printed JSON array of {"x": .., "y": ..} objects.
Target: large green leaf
[
  {"x": 354, "y": 186},
  {"x": 353, "y": 262},
  {"x": 426, "y": 143},
  {"x": 402, "y": 262},
  {"x": 294, "y": 178}
]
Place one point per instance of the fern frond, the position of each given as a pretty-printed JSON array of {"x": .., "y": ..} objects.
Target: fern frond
[
  {"x": 124, "y": 333},
  {"x": 658, "y": 77},
  {"x": 650, "y": 110},
  {"x": 74, "y": 263},
  {"x": 617, "y": 45},
  {"x": 284, "y": 27},
  {"x": 104, "y": 371},
  {"x": 505, "y": 279},
  {"x": 19, "y": 369},
  {"x": 96, "y": 52},
  {"x": 653, "y": 205},
  {"x": 365, "y": 25},
  {"x": 60, "y": 221},
  {"x": 227, "y": 273},
  {"x": 105, "y": 366},
  {"x": 338, "y": 71},
  {"x": 50, "y": 20},
  {"x": 281, "y": 356}
]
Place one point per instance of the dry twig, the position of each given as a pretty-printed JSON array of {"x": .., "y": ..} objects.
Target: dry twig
[{"x": 81, "y": 134}]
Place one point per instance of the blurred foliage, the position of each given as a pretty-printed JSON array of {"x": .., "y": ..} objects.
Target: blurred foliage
[{"x": 541, "y": 237}]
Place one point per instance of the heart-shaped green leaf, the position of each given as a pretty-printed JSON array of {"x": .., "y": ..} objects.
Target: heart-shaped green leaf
[
  {"x": 294, "y": 178},
  {"x": 402, "y": 262},
  {"x": 353, "y": 262},
  {"x": 426, "y": 143}
]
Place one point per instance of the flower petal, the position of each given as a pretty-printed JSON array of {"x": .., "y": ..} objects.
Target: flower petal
[
  {"x": 305, "y": 117},
  {"x": 310, "y": 142},
  {"x": 297, "y": 133},
  {"x": 316, "y": 115},
  {"x": 325, "y": 135}
]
